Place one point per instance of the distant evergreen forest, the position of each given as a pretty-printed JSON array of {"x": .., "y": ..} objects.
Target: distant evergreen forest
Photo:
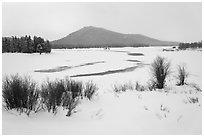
[
  {"x": 193, "y": 45},
  {"x": 25, "y": 44}
]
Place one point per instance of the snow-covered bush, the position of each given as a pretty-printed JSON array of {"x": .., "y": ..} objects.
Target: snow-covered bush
[
  {"x": 182, "y": 75},
  {"x": 51, "y": 93},
  {"x": 20, "y": 93},
  {"x": 160, "y": 69},
  {"x": 90, "y": 89}
]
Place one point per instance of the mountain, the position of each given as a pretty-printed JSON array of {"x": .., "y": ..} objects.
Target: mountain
[{"x": 99, "y": 37}]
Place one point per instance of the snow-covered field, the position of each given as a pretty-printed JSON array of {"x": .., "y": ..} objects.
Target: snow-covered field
[{"x": 168, "y": 111}]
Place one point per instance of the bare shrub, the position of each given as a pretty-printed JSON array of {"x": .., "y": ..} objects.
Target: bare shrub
[
  {"x": 23, "y": 94},
  {"x": 196, "y": 86},
  {"x": 59, "y": 93},
  {"x": 160, "y": 69},
  {"x": 192, "y": 100},
  {"x": 68, "y": 102},
  {"x": 74, "y": 86},
  {"x": 20, "y": 93},
  {"x": 139, "y": 87},
  {"x": 120, "y": 87},
  {"x": 182, "y": 75},
  {"x": 90, "y": 89},
  {"x": 130, "y": 85},
  {"x": 151, "y": 85},
  {"x": 51, "y": 92},
  {"x": 116, "y": 88},
  {"x": 123, "y": 87}
]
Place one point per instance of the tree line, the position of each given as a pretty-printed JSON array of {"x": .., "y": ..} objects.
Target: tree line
[
  {"x": 25, "y": 44},
  {"x": 72, "y": 46},
  {"x": 193, "y": 45}
]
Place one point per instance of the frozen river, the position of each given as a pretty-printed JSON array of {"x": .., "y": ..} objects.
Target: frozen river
[{"x": 104, "y": 67}]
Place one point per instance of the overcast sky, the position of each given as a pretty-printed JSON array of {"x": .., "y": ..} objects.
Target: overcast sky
[{"x": 165, "y": 21}]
